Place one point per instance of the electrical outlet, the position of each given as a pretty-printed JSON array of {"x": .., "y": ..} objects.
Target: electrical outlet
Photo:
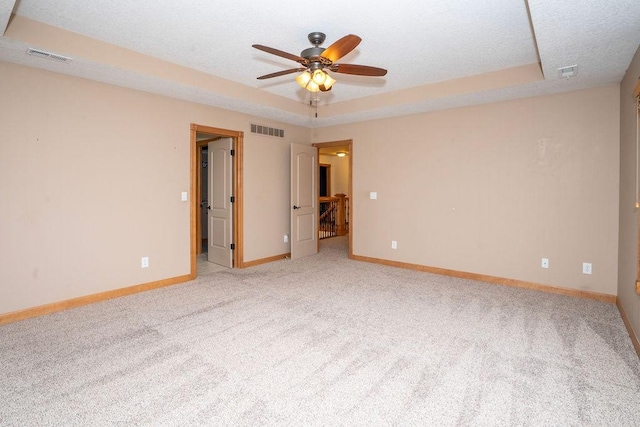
[
  {"x": 586, "y": 268},
  {"x": 394, "y": 244},
  {"x": 144, "y": 262},
  {"x": 183, "y": 196},
  {"x": 545, "y": 263},
  {"x": 286, "y": 238}
]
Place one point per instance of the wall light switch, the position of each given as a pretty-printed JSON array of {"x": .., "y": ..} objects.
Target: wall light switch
[
  {"x": 184, "y": 196},
  {"x": 373, "y": 195}
]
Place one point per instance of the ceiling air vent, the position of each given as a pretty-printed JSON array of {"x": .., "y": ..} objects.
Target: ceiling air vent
[
  {"x": 266, "y": 130},
  {"x": 47, "y": 55}
]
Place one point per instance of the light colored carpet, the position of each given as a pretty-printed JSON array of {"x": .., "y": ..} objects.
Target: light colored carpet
[{"x": 323, "y": 341}]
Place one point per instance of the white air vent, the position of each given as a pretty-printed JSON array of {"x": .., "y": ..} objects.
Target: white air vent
[
  {"x": 266, "y": 130},
  {"x": 566, "y": 72},
  {"x": 47, "y": 55}
]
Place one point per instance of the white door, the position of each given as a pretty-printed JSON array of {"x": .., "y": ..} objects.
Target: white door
[
  {"x": 304, "y": 200},
  {"x": 220, "y": 209}
]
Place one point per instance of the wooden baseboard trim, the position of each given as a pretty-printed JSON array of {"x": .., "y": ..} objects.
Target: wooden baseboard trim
[
  {"x": 265, "y": 260},
  {"x": 89, "y": 299},
  {"x": 627, "y": 324},
  {"x": 492, "y": 279}
]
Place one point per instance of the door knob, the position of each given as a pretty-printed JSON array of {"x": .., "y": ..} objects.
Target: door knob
[
  {"x": 209, "y": 207},
  {"x": 296, "y": 207}
]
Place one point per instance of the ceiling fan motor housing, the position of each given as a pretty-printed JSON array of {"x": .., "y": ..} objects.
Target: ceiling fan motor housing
[
  {"x": 311, "y": 52},
  {"x": 317, "y": 38}
]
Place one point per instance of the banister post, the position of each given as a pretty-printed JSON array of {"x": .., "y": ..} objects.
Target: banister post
[{"x": 341, "y": 215}]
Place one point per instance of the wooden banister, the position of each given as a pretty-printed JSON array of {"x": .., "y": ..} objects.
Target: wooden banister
[
  {"x": 334, "y": 216},
  {"x": 341, "y": 217}
]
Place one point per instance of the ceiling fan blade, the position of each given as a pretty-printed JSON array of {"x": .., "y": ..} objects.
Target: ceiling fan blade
[
  {"x": 340, "y": 48},
  {"x": 359, "y": 70},
  {"x": 281, "y": 73},
  {"x": 282, "y": 54}
]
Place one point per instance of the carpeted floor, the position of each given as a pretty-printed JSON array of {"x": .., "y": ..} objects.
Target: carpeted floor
[{"x": 323, "y": 341}]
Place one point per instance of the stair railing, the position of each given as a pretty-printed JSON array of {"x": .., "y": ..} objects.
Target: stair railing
[{"x": 334, "y": 216}]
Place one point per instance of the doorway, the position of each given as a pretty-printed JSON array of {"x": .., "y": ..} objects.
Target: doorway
[
  {"x": 202, "y": 136},
  {"x": 325, "y": 180},
  {"x": 342, "y": 151}
]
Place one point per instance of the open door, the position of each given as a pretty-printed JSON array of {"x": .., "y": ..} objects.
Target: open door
[
  {"x": 304, "y": 200},
  {"x": 220, "y": 208}
]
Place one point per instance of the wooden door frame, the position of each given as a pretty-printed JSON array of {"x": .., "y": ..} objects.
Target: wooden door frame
[
  {"x": 196, "y": 176},
  {"x": 342, "y": 143}
]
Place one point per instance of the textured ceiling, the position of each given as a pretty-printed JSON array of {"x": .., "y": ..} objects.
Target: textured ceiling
[{"x": 423, "y": 44}]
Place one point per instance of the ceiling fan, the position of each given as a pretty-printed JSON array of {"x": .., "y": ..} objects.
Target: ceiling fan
[{"x": 316, "y": 60}]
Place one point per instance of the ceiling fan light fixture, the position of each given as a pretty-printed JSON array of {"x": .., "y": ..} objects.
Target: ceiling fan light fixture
[
  {"x": 315, "y": 81},
  {"x": 312, "y": 87},
  {"x": 319, "y": 77},
  {"x": 328, "y": 82},
  {"x": 303, "y": 79}
]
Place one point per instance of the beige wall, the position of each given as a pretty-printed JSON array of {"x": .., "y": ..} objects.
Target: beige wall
[
  {"x": 90, "y": 181},
  {"x": 628, "y": 247},
  {"x": 339, "y": 173},
  {"x": 492, "y": 189},
  {"x": 91, "y": 175}
]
